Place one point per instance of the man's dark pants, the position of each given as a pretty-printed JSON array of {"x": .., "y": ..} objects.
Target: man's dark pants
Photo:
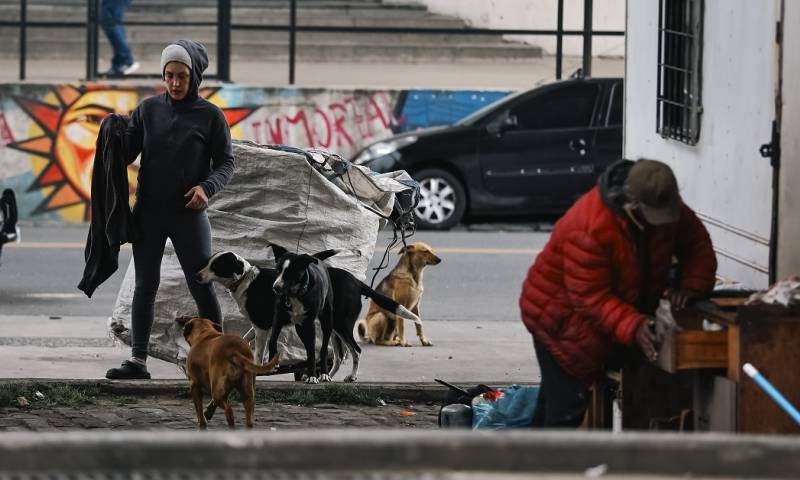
[
  {"x": 563, "y": 399},
  {"x": 112, "y": 15}
]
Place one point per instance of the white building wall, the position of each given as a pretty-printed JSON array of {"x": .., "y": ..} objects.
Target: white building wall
[
  {"x": 789, "y": 209},
  {"x": 723, "y": 177},
  {"x": 539, "y": 15}
]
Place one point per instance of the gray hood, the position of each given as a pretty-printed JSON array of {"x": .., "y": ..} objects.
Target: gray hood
[{"x": 199, "y": 56}]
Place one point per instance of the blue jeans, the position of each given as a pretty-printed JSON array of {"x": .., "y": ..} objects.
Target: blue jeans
[{"x": 112, "y": 15}]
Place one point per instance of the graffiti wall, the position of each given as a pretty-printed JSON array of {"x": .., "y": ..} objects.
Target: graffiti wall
[{"x": 48, "y": 132}]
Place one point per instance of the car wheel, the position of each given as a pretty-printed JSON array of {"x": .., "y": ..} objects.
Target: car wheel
[{"x": 442, "y": 202}]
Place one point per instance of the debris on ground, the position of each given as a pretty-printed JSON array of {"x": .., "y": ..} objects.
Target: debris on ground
[{"x": 597, "y": 471}]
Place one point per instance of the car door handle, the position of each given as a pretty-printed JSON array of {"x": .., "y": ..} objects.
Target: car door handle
[{"x": 578, "y": 145}]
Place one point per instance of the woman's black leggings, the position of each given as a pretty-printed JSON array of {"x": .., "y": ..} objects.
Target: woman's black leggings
[{"x": 190, "y": 233}]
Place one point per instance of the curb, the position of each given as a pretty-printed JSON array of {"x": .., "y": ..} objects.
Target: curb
[
  {"x": 387, "y": 391},
  {"x": 360, "y": 454}
]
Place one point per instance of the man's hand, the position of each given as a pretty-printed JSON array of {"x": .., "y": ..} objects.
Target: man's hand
[
  {"x": 646, "y": 339},
  {"x": 679, "y": 298},
  {"x": 197, "y": 198}
]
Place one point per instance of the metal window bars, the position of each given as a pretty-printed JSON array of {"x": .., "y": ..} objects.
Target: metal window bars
[{"x": 680, "y": 38}]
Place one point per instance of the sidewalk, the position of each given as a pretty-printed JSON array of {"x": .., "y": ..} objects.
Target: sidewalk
[
  {"x": 465, "y": 352},
  {"x": 471, "y": 75},
  {"x": 76, "y": 351}
]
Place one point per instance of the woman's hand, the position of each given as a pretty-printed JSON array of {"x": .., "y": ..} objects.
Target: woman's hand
[{"x": 197, "y": 198}]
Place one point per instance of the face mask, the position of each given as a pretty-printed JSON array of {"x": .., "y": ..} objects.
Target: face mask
[{"x": 631, "y": 208}]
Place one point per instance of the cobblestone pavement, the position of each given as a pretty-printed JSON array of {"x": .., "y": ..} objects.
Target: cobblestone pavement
[{"x": 159, "y": 412}]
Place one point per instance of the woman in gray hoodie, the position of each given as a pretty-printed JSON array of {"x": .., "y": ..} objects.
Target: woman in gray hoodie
[{"x": 185, "y": 144}]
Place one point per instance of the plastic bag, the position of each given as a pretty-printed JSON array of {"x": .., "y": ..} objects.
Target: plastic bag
[{"x": 512, "y": 408}]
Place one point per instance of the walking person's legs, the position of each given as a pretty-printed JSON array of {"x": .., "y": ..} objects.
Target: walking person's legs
[
  {"x": 563, "y": 399},
  {"x": 147, "y": 254},
  {"x": 190, "y": 233},
  {"x": 112, "y": 15}
]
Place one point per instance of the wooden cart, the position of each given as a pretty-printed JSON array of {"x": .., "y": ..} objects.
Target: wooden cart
[{"x": 698, "y": 382}]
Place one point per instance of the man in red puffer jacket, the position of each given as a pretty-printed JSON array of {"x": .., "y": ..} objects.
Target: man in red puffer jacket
[{"x": 599, "y": 279}]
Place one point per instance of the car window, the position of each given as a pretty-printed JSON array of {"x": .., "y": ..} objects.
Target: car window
[
  {"x": 615, "y": 112},
  {"x": 489, "y": 110},
  {"x": 570, "y": 106}
]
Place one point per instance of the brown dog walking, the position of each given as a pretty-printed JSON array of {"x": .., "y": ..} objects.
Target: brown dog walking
[{"x": 218, "y": 364}]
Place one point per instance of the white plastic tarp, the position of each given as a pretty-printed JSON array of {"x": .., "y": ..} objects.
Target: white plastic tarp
[{"x": 276, "y": 197}]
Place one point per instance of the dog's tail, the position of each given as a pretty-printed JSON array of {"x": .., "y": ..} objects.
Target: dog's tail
[
  {"x": 361, "y": 328},
  {"x": 254, "y": 368},
  {"x": 388, "y": 304}
]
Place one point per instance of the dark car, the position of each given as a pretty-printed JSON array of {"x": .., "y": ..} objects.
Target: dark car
[{"x": 532, "y": 152}]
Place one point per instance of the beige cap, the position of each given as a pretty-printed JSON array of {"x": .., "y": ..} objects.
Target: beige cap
[{"x": 652, "y": 185}]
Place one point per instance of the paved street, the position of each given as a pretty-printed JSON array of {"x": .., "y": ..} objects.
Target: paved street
[
  {"x": 478, "y": 280},
  {"x": 49, "y": 329}
]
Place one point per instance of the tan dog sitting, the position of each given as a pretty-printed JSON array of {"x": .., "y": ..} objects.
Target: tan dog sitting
[
  {"x": 217, "y": 364},
  {"x": 403, "y": 285}
]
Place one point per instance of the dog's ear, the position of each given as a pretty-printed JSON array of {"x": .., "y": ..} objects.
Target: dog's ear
[
  {"x": 216, "y": 327},
  {"x": 278, "y": 251},
  {"x": 232, "y": 261},
  {"x": 325, "y": 254},
  {"x": 405, "y": 250},
  {"x": 187, "y": 329},
  {"x": 183, "y": 320}
]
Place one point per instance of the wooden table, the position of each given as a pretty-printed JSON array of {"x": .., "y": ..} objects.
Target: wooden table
[{"x": 698, "y": 382}]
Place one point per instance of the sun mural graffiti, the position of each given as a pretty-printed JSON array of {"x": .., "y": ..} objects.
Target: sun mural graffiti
[{"x": 62, "y": 135}]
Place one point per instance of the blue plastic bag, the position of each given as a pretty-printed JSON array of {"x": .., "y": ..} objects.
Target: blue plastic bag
[{"x": 513, "y": 410}]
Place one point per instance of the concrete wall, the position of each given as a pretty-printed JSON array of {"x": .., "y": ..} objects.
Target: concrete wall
[
  {"x": 539, "y": 15},
  {"x": 789, "y": 203},
  {"x": 723, "y": 177},
  {"x": 48, "y": 132}
]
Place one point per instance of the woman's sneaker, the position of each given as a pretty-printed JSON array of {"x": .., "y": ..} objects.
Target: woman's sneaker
[{"x": 129, "y": 371}]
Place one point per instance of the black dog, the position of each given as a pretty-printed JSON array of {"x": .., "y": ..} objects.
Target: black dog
[
  {"x": 307, "y": 289},
  {"x": 251, "y": 288}
]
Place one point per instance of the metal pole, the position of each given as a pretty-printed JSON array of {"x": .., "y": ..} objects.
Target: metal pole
[
  {"x": 292, "y": 35},
  {"x": 588, "y": 8},
  {"x": 23, "y": 43},
  {"x": 91, "y": 40},
  {"x": 560, "y": 39},
  {"x": 96, "y": 39},
  {"x": 224, "y": 40}
]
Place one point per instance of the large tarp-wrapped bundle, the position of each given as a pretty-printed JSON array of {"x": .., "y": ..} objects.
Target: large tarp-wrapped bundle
[{"x": 301, "y": 200}]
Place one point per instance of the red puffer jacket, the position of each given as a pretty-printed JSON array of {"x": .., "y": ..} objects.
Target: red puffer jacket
[{"x": 582, "y": 292}]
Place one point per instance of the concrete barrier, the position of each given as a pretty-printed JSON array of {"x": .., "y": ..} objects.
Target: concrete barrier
[
  {"x": 48, "y": 131},
  {"x": 398, "y": 454}
]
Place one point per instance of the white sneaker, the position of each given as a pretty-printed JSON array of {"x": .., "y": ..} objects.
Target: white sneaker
[{"x": 130, "y": 68}]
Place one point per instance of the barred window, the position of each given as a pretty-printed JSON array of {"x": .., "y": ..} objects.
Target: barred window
[{"x": 680, "y": 41}]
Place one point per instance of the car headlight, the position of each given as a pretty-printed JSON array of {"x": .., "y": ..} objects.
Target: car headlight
[{"x": 382, "y": 149}]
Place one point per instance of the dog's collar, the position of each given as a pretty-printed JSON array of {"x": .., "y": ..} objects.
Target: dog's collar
[
  {"x": 302, "y": 291},
  {"x": 306, "y": 285},
  {"x": 241, "y": 285}
]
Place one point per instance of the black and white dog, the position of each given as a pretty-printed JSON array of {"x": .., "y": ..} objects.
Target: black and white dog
[
  {"x": 307, "y": 289},
  {"x": 251, "y": 288}
]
